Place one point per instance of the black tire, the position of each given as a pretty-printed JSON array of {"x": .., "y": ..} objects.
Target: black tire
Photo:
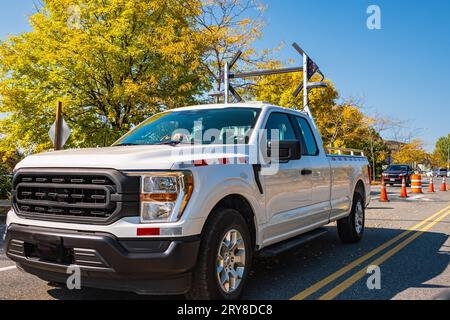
[
  {"x": 56, "y": 284},
  {"x": 205, "y": 282},
  {"x": 347, "y": 227}
]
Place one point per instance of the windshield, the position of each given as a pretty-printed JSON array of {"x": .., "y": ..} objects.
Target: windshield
[
  {"x": 398, "y": 168},
  {"x": 207, "y": 126}
]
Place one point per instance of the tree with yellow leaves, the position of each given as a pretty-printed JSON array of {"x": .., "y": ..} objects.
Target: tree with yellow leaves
[
  {"x": 411, "y": 153},
  {"x": 340, "y": 125},
  {"x": 112, "y": 63}
]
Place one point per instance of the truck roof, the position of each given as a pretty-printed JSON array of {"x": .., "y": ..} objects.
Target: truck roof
[{"x": 256, "y": 104}]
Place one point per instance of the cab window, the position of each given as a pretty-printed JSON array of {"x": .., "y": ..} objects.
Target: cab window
[
  {"x": 281, "y": 123},
  {"x": 308, "y": 135}
]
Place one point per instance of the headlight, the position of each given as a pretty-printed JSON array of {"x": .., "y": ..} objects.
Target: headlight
[{"x": 164, "y": 195}]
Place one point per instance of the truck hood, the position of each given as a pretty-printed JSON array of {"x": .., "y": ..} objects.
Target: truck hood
[{"x": 160, "y": 157}]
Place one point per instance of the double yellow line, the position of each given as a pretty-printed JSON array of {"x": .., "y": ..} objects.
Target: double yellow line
[{"x": 417, "y": 230}]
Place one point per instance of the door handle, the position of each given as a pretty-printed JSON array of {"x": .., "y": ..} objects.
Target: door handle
[{"x": 306, "y": 172}]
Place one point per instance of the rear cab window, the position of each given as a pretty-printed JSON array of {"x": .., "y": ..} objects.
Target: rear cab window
[{"x": 308, "y": 137}]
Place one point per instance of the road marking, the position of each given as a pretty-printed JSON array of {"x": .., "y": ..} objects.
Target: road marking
[
  {"x": 333, "y": 293},
  {"x": 326, "y": 281},
  {"x": 8, "y": 268}
]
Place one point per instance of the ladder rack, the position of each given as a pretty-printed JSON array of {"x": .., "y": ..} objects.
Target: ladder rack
[
  {"x": 345, "y": 151},
  {"x": 309, "y": 69}
]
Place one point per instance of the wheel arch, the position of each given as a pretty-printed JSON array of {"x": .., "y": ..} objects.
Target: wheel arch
[
  {"x": 361, "y": 189},
  {"x": 241, "y": 205}
]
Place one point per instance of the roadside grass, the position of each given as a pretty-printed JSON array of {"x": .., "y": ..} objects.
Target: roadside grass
[{"x": 3, "y": 210}]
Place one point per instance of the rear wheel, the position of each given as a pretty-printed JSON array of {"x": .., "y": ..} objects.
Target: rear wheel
[
  {"x": 351, "y": 228},
  {"x": 224, "y": 259}
]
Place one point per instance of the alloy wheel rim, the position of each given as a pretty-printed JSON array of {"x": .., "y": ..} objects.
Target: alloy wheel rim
[
  {"x": 359, "y": 217},
  {"x": 230, "y": 262}
]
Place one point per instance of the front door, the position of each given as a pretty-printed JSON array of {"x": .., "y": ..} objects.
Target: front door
[{"x": 288, "y": 190}]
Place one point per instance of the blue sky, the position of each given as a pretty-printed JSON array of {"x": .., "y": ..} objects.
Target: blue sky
[{"x": 400, "y": 72}]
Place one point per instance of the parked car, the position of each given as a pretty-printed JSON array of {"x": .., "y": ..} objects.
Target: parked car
[
  {"x": 158, "y": 214},
  {"x": 441, "y": 172},
  {"x": 430, "y": 173},
  {"x": 395, "y": 173}
]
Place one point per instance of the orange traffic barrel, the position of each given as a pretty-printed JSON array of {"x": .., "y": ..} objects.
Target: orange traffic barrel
[{"x": 416, "y": 183}]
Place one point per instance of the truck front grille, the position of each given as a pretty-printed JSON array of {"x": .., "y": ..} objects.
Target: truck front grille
[{"x": 67, "y": 195}]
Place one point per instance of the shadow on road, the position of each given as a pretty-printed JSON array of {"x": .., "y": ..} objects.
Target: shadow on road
[
  {"x": 412, "y": 268},
  {"x": 296, "y": 270},
  {"x": 289, "y": 273}
]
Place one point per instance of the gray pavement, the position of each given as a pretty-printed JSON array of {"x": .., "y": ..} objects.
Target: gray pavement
[
  {"x": 5, "y": 203},
  {"x": 418, "y": 270}
]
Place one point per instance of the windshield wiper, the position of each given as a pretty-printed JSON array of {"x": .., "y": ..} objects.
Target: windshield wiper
[{"x": 170, "y": 143}]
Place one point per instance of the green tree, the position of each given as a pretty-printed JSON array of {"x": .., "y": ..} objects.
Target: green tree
[
  {"x": 112, "y": 63},
  {"x": 6, "y": 167},
  {"x": 5, "y": 181},
  {"x": 442, "y": 151}
]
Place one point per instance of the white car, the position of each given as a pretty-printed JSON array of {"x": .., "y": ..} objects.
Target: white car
[
  {"x": 442, "y": 172},
  {"x": 429, "y": 173},
  {"x": 173, "y": 208}
]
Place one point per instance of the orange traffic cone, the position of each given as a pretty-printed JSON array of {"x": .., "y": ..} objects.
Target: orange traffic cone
[
  {"x": 444, "y": 184},
  {"x": 384, "y": 197},
  {"x": 431, "y": 186},
  {"x": 404, "y": 193}
]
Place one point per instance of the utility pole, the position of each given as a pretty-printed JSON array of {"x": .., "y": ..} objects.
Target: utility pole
[
  {"x": 374, "y": 173},
  {"x": 58, "y": 127}
]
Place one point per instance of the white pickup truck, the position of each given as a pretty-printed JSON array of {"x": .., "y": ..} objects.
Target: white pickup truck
[{"x": 182, "y": 203}]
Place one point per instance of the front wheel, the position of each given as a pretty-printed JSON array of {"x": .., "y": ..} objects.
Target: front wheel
[
  {"x": 351, "y": 228},
  {"x": 224, "y": 259}
]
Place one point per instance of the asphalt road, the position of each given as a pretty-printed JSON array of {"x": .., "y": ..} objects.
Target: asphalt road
[{"x": 413, "y": 255}]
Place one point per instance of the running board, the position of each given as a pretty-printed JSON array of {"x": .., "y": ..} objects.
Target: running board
[{"x": 289, "y": 244}]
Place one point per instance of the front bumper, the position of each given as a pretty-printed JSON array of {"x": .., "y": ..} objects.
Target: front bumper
[
  {"x": 143, "y": 266},
  {"x": 394, "y": 179}
]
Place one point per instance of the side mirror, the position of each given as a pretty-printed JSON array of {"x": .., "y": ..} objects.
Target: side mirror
[{"x": 287, "y": 150}]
